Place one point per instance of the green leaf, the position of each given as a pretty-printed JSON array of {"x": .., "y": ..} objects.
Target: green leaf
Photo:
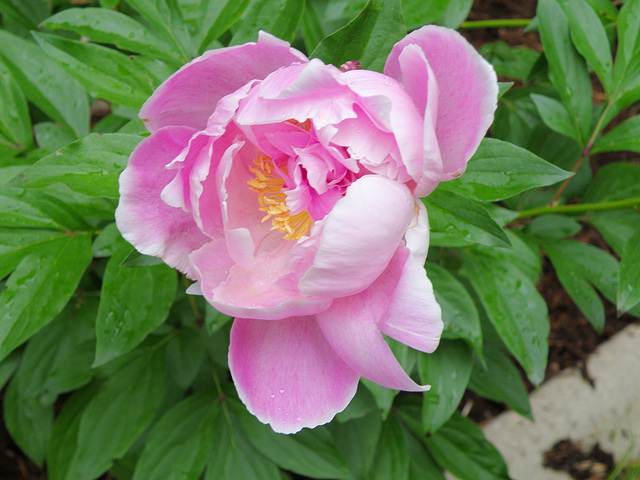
[
  {"x": 15, "y": 123},
  {"x": 357, "y": 439},
  {"x": 625, "y": 136},
  {"x": 455, "y": 13},
  {"x": 553, "y": 226},
  {"x": 27, "y": 13},
  {"x": 278, "y": 17},
  {"x": 627, "y": 64},
  {"x": 420, "y": 12},
  {"x": 500, "y": 381},
  {"x": 134, "y": 301},
  {"x": 40, "y": 287},
  {"x": 616, "y": 226},
  {"x": 45, "y": 83},
  {"x": 368, "y": 38},
  {"x": 185, "y": 353},
  {"x": 629, "y": 286},
  {"x": 458, "y": 221},
  {"x": 312, "y": 453},
  {"x": 391, "y": 459},
  {"x": 103, "y": 72},
  {"x": 499, "y": 170},
  {"x": 137, "y": 259},
  {"x": 461, "y": 448},
  {"x": 116, "y": 415},
  {"x": 513, "y": 306},
  {"x": 215, "y": 320},
  {"x": 615, "y": 181},
  {"x": 108, "y": 26},
  {"x": 52, "y": 136},
  {"x": 459, "y": 313},
  {"x": 567, "y": 70},
  {"x": 555, "y": 115},
  {"x": 179, "y": 443},
  {"x": 447, "y": 370},
  {"x": 219, "y": 16},
  {"x": 422, "y": 466},
  {"x": 590, "y": 39},
  {"x": 35, "y": 210},
  {"x": 512, "y": 62},
  {"x": 90, "y": 166},
  {"x": 8, "y": 366}
]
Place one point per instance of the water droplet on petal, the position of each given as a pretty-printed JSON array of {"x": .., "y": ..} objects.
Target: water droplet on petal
[{"x": 281, "y": 390}]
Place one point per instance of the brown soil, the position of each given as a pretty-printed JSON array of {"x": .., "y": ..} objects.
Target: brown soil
[{"x": 569, "y": 457}]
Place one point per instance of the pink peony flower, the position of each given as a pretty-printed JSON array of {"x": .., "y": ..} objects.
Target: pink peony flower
[{"x": 288, "y": 189}]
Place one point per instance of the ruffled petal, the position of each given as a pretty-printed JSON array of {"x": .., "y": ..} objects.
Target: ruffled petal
[
  {"x": 190, "y": 95},
  {"x": 350, "y": 327},
  {"x": 468, "y": 90},
  {"x": 286, "y": 373},
  {"x": 143, "y": 218},
  {"x": 359, "y": 237}
]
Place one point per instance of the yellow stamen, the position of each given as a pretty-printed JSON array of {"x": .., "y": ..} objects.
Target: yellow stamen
[{"x": 274, "y": 202}]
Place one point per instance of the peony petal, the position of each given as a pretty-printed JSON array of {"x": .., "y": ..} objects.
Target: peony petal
[
  {"x": 190, "y": 95},
  {"x": 359, "y": 237},
  {"x": 468, "y": 90},
  {"x": 350, "y": 327},
  {"x": 145, "y": 221},
  {"x": 287, "y": 374}
]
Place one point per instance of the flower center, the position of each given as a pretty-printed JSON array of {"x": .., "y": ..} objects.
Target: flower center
[{"x": 273, "y": 201}]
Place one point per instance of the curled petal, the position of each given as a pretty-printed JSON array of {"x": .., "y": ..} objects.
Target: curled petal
[
  {"x": 143, "y": 218},
  {"x": 467, "y": 90},
  {"x": 286, "y": 373},
  {"x": 190, "y": 95},
  {"x": 359, "y": 237}
]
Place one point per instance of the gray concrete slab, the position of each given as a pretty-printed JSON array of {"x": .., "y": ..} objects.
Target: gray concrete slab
[{"x": 567, "y": 406}]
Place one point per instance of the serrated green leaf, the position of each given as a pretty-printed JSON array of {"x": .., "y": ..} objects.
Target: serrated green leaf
[
  {"x": 368, "y": 38},
  {"x": 500, "y": 381},
  {"x": 629, "y": 286},
  {"x": 179, "y": 443},
  {"x": 447, "y": 370},
  {"x": 567, "y": 70},
  {"x": 391, "y": 459},
  {"x": 514, "y": 307},
  {"x": 499, "y": 170},
  {"x": 457, "y": 221},
  {"x": 461, "y": 448},
  {"x": 45, "y": 83},
  {"x": 555, "y": 115},
  {"x": 108, "y": 26},
  {"x": 117, "y": 414},
  {"x": 590, "y": 39},
  {"x": 40, "y": 287},
  {"x": 217, "y": 18},
  {"x": 309, "y": 452},
  {"x": 90, "y": 166},
  {"x": 278, "y": 17},
  {"x": 625, "y": 136},
  {"x": 134, "y": 301},
  {"x": 15, "y": 122},
  {"x": 103, "y": 72},
  {"x": 459, "y": 313}
]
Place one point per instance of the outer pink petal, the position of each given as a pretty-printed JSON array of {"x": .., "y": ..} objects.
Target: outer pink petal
[
  {"x": 287, "y": 374},
  {"x": 359, "y": 237},
  {"x": 350, "y": 327},
  {"x": 190, "y": 95},
  {"x": 468, "y": 90},
  {"x": 144, "y": 220}
]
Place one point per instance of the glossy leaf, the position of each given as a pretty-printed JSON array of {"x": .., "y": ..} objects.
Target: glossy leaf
[
  {"x": 499, "y": 170},
  {"x": 555, "y": 115},
  {"x": 51, "y": 136},
  {"x": 500, "y": 381},
  {"x": 40, "y": 287},
  {"x": 278, "y": 17},
  {"x": 219, "y": 16},
  {"x": 629, "y": 286},
  {"x": 368, "y": 38},
  {"x": 461, "y": 448},
  {"x": 447, "y": 370},
  {"x": 45, "y": 83},
  {"x": 179, "y": 443},
  {"x": 134, "y": 301},
  {"x": 514, "y": 307},
  {"x": 420, "y": 12},
  {"x": 90, "y": 166}
]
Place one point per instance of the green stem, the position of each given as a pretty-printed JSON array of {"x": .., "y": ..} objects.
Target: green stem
[
  {"x": 580, "y": 208},
  {"x": 496, "y": 23}
]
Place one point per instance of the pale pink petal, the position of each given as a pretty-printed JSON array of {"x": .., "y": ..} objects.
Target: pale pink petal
[
  {"x": 468, "y": 90},
  {"x": 190, "y": 95},
  {"x": 359, "y": 237},
  {"x": 148, "y": 223},
  {"x": 254, "y": 292},
  {"x": 350, "y": 327},
  {"x": 287, "y": 374}
]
